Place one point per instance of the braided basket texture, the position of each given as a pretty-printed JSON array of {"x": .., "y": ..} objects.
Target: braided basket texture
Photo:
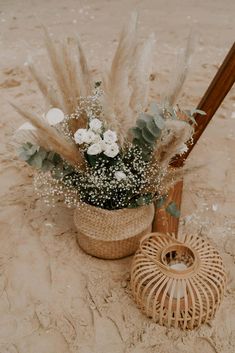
[
  {"x": 179, "y": 284},
  {"x": 112, "y": 234}
]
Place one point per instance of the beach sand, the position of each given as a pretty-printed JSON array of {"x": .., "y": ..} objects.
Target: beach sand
[{"x": 53, "y": 297}]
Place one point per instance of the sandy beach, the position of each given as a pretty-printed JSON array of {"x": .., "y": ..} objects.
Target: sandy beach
[{"x": 53, "y": 297}]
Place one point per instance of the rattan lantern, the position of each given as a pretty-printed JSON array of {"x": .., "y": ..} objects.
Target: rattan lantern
[{"x": 177, "y": 283}]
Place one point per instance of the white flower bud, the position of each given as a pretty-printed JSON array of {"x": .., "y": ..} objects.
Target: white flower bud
[
  {"x": 54, "y": 116},
  {"x": 111, "y": 150},
  {"x": 119, "y": 175},
  {"x": 95, "y": 125},
  {"x": 80, "y": 136},
  {"x": 110, "y": 136},
  {"x": 90, "y": 137},
  {"x": 94, "y": 149}
]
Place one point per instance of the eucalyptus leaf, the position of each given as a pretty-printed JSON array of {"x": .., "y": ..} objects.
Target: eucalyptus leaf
[
  {"x": 173, "y": 210},
  {"x": 159, "y": 121},
  {"x": 141, "y": 143},
  {"x": 42, "y": 153},
  {"x": 140, "y": 201},
  {"x": 23, "y": 155},
  {"x": 154, "y": 109},
  {"x": 148, "y": 136},
  {"x": 136, "y": 132},
  {"x": 141, "y": 123},
  {"x": 47, "y": 165},
  {"x": 35, "y": 161},
  {"x": 27, "y": 150},
  {"x": 145, "y": 117},
  {"x": 33, "y": 149},
  {"x": 160, "y": 202},
  {"x": 151, "y": 126}
]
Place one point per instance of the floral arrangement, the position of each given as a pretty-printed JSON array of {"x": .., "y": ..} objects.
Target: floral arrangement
[{"x": 104, "y": 143}]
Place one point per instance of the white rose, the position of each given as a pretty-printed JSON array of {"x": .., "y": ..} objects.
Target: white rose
[
  {"x": 80, "y": 136},
  {"x": 90, "y": 137},
  {"x": 95, "y": 125},
  {"x": 110, "y": 136},
  {"x": 111, "y": 150},
  {"x": 119, "y": 175},
  {"x": 54, "y": 116},
  {"x": 97, "y": 139},
  {"x": 94, "y": 149}
]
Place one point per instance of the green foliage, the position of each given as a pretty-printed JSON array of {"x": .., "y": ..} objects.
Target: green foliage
[
  {"x": 39, "y": 158},
  {"x": 142, "y": 200},
  {"x": 160, "y": 202},
  {"x": 148, "y": 130},
  {"x": 173, "y": 210}
]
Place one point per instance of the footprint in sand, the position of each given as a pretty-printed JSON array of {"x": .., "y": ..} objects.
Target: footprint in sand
[{"x": 10, "y": 83}]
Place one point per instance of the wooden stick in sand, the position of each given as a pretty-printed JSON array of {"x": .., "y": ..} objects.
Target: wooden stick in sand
[{"x": 210, "y": 102}]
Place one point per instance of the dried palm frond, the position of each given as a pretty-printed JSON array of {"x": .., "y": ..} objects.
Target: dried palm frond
[
  {"x": 48, "y": 137},
  {"x": 181, "y": 70}
]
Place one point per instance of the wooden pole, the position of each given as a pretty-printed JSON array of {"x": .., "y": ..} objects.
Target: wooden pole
[{"x": 210, "y": 102}]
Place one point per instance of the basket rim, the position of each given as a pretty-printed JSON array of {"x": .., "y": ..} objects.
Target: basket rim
[{"x": 106, "y": 211}]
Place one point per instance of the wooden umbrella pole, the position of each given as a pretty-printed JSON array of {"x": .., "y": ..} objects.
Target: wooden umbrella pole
[{"x": 210, "y": 102}]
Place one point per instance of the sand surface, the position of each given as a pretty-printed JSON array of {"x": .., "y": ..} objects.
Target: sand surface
[{"x": 53, "y": 297}]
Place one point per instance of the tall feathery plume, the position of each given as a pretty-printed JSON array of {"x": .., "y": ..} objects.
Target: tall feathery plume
[
  {"x": 116, "y": 85},
  {"x": 176, "y": 133},
  {"x": 67, "y": 59},
  {"x": 139, "y": 77},
  {"x": 51, "y": 140},
  {"x": 84, "y": 69},
  {"x": 181, "y": 71},
  {"x": 46, "y": 89},
  {"x": 71, "y": 75},
  {"x": 59, "y": 72}
]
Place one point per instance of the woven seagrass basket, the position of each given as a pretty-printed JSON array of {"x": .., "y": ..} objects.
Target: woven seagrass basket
[
  {"x": 179, "y": 284},
  {"x": 112, "y": 234}
]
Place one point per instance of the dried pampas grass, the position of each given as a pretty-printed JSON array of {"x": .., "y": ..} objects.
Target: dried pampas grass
[
  {"x": 126, "y": 85},
  {"x": 71, "y": 74},
  {"x": 175, "y": 135},
  {"x": 48, "y": 137},
  {"x": 180, "y": 72},
  {"x": 139, "y": 76},
  {"x": 116, "y": 88}
]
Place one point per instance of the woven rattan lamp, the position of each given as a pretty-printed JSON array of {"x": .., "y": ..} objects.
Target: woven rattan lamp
[{"x": 177, "y": 284}]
